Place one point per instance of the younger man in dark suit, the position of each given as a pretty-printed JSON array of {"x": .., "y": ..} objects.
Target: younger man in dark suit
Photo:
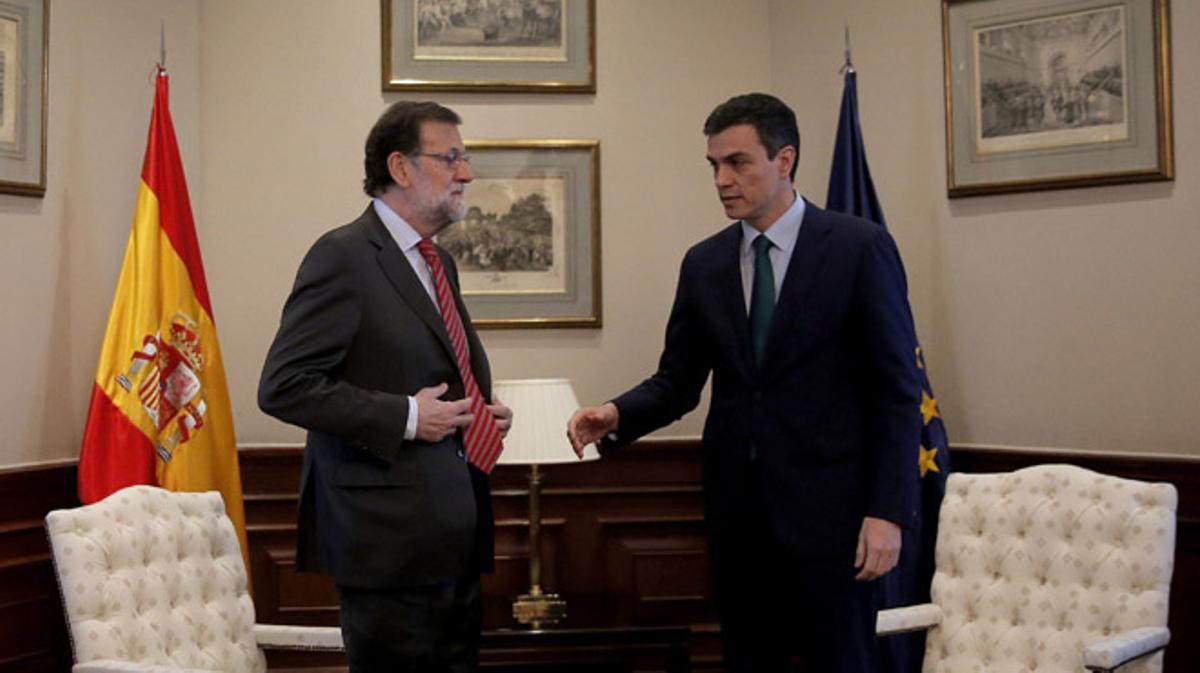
[
  {"x": 810, "y": 445},
  {"x": 376, "y": 357}
]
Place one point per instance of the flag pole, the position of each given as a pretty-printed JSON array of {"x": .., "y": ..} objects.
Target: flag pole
[
  {"x": 848, "y": 65},
  {"x": 162, "y": 44}
]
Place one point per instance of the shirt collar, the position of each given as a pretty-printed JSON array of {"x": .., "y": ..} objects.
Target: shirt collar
[
  {"x": 782, "y": 233},
  {"x": 402, "y": 232}
]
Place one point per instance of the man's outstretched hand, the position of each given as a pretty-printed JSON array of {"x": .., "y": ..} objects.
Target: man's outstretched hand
[{"x": 590, "y": 424}]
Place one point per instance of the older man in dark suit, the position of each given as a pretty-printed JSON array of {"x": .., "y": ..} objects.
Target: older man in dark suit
[
  {"x": 376, "y": 357},
  {"x": 810, "y": 445}
]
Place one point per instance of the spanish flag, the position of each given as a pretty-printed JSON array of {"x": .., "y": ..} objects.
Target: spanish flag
[{"x": 160, "y": 406}]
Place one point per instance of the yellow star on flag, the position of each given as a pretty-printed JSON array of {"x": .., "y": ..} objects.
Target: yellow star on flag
[
  {"x": 929, "y": 408},
  {"x": 920, "y": 359},
  {"x": 928, "y": 461}
]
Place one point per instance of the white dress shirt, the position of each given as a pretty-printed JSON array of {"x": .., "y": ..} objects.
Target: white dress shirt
[{"x": 407, "y": 238}]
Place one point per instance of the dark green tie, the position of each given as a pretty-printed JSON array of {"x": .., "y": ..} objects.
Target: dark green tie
[{"x": 762, "y": 297}]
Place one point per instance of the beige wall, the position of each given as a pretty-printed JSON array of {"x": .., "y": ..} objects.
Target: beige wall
[
  {"x": 290, "y": 88},
  {"x": 1066, "y": 319},
  {"x": 283, "y": 163},
  {"x": 60, "y": 255}
]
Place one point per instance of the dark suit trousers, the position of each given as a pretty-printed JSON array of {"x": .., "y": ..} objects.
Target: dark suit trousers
[
  {"x": 431, "y": 629},
  {"x": 777, "y": 609}
]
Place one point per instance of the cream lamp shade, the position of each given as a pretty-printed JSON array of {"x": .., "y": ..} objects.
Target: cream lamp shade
[{"x": 541, "y": 409}]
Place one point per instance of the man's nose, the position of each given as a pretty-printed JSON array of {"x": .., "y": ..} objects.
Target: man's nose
[
  {"x": 721, "y": 176},
  {"x": 463, "y": 173}
]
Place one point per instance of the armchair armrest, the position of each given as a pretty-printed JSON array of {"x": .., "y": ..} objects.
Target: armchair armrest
[
  {"x": 281, "y": 637},
  {"x": 115, "y": 666},
  {"x": 909, "y": 618},
  {"x": 1107, "y": 654}
]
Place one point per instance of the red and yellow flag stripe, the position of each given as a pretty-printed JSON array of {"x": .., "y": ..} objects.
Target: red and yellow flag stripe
[{"x": 160, "y": 410}]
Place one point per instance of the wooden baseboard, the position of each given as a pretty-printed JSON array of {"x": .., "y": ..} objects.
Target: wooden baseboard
[{"x": 623, "y": 542}]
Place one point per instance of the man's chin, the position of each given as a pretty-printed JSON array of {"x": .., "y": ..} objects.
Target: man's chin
[{"x": 448, "y": 216}]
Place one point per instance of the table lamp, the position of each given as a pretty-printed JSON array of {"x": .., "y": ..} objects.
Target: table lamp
[{"x": 541, "y": 409}]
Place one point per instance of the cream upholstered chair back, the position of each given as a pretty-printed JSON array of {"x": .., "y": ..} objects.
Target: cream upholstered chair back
[
  {"x": 154, "y": 577},
  {"x": 1034, "y": 566}
]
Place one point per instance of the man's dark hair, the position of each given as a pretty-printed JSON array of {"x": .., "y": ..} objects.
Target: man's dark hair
[
  {"x": 771, "y": 118},
  {"x": 398, "y": 130}
]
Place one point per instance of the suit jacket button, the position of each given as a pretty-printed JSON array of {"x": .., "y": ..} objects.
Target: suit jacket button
[
  {"x": 460, "y": 453},
  {"x": 758, "y": 395}
]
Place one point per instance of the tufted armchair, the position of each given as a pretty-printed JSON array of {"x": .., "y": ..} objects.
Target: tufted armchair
[
  {"x": 153, "y": 580},
  {"x": 1047, "y": 569}
]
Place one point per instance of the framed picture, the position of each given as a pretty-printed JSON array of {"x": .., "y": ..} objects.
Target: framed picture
[
  {"x": 23, "y": 39},
  {"x": 489, "y": 45},
  {"x": 528, "y": 250},
  {"x": 1045, "y": 94}
]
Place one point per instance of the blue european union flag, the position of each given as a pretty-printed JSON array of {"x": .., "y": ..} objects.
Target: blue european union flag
[{"x": 851, "y": 191}]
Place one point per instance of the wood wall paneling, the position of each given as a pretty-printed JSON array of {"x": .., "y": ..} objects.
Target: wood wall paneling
[
  {"x": 33, "y": 633},
  {"x": 623, "y": 542},
  {"x": 661, "y": 564}
]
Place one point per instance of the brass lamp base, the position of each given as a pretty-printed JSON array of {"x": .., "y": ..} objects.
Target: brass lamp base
[{"x": 539, "y": 609}]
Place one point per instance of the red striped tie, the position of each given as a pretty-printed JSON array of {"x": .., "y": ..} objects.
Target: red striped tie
[{"x": 482, "y": 438}]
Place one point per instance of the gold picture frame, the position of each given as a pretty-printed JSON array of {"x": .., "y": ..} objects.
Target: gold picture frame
[
  {"x": 1051, "y": 94},
  {"x": 502, "y": 45},
  {"x": 24, "y": 36},
  {"x": 528, "y": 250}
]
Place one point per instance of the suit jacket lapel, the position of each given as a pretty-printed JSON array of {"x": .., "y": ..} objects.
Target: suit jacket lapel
[
  {"x": 803, "y": 272},
  {"x": 732, "y": 299},
  {"x": 404, "y": 280}
]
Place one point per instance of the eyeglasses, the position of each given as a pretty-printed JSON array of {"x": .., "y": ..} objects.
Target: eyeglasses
[{"x": 452, "y": 159}]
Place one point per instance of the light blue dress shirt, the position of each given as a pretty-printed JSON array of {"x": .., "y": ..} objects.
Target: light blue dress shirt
[{"x": 782, "y": 233}]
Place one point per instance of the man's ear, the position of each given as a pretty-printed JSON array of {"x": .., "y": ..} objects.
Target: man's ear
[
  {"x": 787, "y": 157},
  {"x": 400, "y": 169}
]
